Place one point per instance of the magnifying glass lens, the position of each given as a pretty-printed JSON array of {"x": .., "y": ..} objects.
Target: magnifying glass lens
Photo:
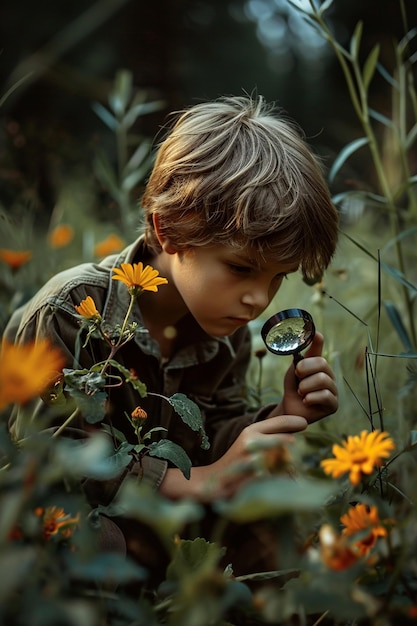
[
  {"x": 288, "y": 332},
  {"x": 288, "y": 336}
]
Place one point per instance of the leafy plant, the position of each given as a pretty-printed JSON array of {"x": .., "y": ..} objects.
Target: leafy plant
[{"x": 125, "y": 105}]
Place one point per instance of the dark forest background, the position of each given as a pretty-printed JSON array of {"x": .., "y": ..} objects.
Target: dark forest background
[{"x": 56, "y": 58}]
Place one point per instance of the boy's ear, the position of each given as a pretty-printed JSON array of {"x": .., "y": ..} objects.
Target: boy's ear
[{"x": 165, "y": 243}]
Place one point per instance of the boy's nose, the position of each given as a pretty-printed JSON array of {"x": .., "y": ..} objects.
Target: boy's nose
[{"x": 257, "y": 298}]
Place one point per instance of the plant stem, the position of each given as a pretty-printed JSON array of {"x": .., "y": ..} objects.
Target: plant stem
[{"x": 66, "y": 423}]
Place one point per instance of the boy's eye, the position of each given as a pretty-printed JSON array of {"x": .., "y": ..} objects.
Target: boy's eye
[{"x": 240, "y": 269}]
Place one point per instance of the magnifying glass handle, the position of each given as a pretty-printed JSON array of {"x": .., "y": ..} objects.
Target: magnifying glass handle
[{"x": 296, "y": 359}]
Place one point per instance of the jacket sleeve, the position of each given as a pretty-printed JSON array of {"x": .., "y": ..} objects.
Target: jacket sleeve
[{"x": 60, "y": 329}]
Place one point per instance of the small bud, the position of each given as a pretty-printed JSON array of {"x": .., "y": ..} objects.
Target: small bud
[
  {"x": 133, "y": 374},
  {"x": 139, "y": 414},
  {"x": 260, "y": 353}
]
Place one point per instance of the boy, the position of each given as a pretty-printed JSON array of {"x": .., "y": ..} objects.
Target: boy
[{"x": 235, "y": 202}]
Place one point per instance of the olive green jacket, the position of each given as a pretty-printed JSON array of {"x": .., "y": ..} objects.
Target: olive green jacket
[{"x": 210, "y": 371}]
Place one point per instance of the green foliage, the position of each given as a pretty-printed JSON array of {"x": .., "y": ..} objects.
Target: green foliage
[{"x": 133, "y": 152}]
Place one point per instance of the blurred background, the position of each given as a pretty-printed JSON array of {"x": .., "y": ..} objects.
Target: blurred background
[{"x": 59, "y": 57}]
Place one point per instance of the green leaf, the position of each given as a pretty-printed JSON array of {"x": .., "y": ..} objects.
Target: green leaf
[
  {"x": 140, "y": 155},
  {"x": 344, "y": 154},
  {"x": 172, "y": 452},
  {"x": 370, "y": 66},
  {"x": 387, "y": 76},
  {"x": 399, "y": 276},
  {"x": 140, "y": 501},
  {"x": 413, "y": 437},
  {"x": 190, "y": 415},
  {"x": 386, "y": 121},
  {"x": 193, "y": 556},
  {"x": 355, "y": 41},
  {"x": 411, "y": 137},
  {"x": 93, "y": 457},
  {"x": 140, "y": 109},
  {"x": 122, "y": 92},
  {"x": 113, "y": 432},
  {"x": 274, "y": 496},
  {"x": 105, "y": 567},
  {"x": 92, "y": 407},
  {"x": 137, "y": 384},
  {"x": 396, "y": 321},
  {"x": 324, "y": 6},
  {"x": 105, "y": 115}
]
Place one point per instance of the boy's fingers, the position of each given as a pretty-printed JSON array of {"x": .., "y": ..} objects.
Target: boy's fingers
[
  {"x": 316, "y": 347},
  {"x": 282, "y": 424}
]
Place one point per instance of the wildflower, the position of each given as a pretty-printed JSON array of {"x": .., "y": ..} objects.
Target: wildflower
[
  {"x": 87, "y": 308},
  {"x": 362, "y": 518},
  {"x": 359, "y": 455},
  {"x": 111, "y": 244},
  {"x": 139, "y": 414},
  {"x": 26, "y": 370},
  {"x": 335, "y": 551},
  {"x": 60, "y": 236},
  {"x": 15, "y": 258},
  {"x": 55, "y": 521},
  {"x": 138, "y": 278}
]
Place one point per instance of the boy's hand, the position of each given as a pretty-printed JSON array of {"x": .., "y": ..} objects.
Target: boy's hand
[{"x": 316, "y": 394}]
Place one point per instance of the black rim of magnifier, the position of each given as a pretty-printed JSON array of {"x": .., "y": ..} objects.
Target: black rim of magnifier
[{"x": 280, "y": 317}]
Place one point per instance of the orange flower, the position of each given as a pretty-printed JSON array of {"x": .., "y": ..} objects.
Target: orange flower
[
  {"x": 335, "y": 551},
  {"x": 60, "y": 236},
  {"x": 362, "y": 518},
  {"x": 55, "y": 521},
  {"x": 139, "y": 414},
  {"x": 109, "y": 245},
  {"x": 138, "y": 278},
  {"x": 26, "y": 370},
  {"x": 15, "y": 258},
  {"x": 359, "y": 455},
  {"x": 87, "y": 308}
]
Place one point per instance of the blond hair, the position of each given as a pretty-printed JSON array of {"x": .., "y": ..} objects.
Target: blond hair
[{"x": 236, "y": 171}]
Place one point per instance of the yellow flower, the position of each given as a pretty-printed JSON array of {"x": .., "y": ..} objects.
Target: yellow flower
[
  {"x": 362, "y": 518},
  {"x": 26, "y": 371},
  {"x": 55, "y": 520},
  {"x": 87, "y": 308},
  {"x": 111, "y": 244},
  {"x": 359, "y": 455},
  {"x": 138, "y": 278},
  {"x": 335, "y": 551},
  {"x": 15, "y": 258},
  {"x": 60, "y": 236}
]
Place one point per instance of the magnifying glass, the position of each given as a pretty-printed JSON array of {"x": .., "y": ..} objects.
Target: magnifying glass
[{"x": 289, "y": 332}]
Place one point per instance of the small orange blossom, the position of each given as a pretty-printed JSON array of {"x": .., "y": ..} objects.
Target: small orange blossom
[
  {"x": 60, "y": 236},
  {"x": 56, "y": 521},
  {"x": 360, "y": 518},
  {"x": 139, "y": 414},
  {"x": 335, "y": 551},
  {"x": 109, "y": 245},
  {"x": 15, "y": 258},
  {"x": 87, "y": 308}
]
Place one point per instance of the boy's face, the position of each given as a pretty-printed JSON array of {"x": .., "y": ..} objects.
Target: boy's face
[{"x": 224, "y": 288}]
